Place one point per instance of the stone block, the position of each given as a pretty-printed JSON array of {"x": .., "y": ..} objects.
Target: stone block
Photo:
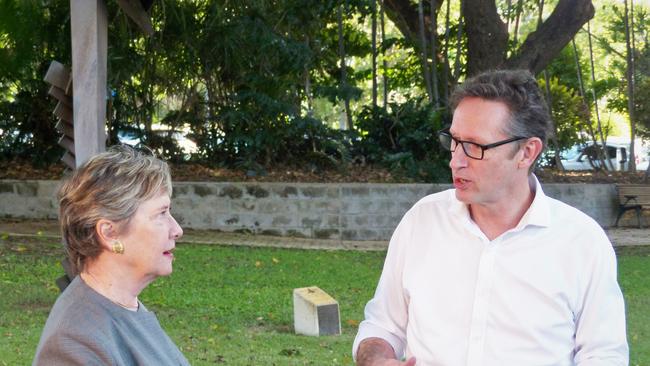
[
  {"x": 231, "y": 191},
  {"x": 326, "y": 234},
  {"x": 257, "y": 191},
  {"x": 329, "y": 206},
  {"x": 315, "y": 313},
  {"x": 27, "y": 189},
  {"x": 282, "y": 220},
  {"x": 313, "y": 192},
  {"x": 285, "y": 192},
  {"x": 351, "y": 191},
  {"x": 311, "y": 222},
  {"x": 6, "y": 187},
  {"x": 203, "y": 190},
  {"x": 244, "y": 205}
]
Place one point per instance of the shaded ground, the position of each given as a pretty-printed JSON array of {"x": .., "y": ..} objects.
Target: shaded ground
[
  {"x": 35, "y": 229},
  {"x": 353, "y": 174}
]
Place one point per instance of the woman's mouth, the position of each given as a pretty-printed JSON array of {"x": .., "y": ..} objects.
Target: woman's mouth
[{"x": 169, "y": 253}]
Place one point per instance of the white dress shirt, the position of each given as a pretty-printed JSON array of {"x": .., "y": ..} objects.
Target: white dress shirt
[{"x": 542, "y": 293}]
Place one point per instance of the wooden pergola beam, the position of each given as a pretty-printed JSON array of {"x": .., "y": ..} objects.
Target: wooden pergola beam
[{"x": 89, "y": 27}]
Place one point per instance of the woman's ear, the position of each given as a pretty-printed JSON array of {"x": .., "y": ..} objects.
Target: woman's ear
[
  {"x": 531, "y": 150},
  {"x": 106, "y": 232}
]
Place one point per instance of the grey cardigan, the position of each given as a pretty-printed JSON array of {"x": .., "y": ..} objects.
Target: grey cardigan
[{"x": 85, "y": 328}]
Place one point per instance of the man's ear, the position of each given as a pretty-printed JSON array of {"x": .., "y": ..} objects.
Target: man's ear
[
  {"x": 531, "y": 149},
  {"x": 106, "y": 232}
]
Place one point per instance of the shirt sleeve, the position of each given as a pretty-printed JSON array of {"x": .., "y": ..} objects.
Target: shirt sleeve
[
  {"x": 386, "y": 314},
  {"x": 66, "y": 349},
  {"x": 600, "y": 322}
]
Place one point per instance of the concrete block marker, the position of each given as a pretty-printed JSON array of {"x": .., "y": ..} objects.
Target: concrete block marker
[{"x": 315, "y": 313}]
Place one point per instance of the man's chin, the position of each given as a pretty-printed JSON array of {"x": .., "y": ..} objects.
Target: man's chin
[{"x": 463, "y": 196}]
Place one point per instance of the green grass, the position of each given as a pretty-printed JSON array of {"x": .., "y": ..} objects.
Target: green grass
[{"x": 233, "y": 305}]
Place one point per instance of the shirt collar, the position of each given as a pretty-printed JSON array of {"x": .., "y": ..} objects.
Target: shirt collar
[{"x": 538, "y": 214}]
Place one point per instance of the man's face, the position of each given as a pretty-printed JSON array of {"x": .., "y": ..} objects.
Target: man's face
[{"x": 490, "y": 180}]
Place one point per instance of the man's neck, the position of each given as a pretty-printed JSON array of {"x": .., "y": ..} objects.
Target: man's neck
[{"x": 496, "y": 218}]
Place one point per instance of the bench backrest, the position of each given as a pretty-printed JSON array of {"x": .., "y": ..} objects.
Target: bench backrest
[{"x": 641, "y": 192}]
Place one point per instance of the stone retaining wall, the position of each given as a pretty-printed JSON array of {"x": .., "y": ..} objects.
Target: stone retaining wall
[{"x": 348, "y": 211}]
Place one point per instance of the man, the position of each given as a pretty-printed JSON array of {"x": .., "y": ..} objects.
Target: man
[{"x": 493, "y": 272}]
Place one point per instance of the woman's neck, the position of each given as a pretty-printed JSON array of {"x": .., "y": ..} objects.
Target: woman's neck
[{"x": 111, "y": 283}]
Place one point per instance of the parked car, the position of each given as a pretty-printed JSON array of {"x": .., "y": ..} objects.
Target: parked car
[{"x": 585, "y": 157}]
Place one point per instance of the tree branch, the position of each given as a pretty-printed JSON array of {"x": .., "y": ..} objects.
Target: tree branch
[{"x": 542, "y": 45}]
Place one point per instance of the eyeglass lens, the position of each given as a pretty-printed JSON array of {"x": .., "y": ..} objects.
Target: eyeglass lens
[{"x": 449, "y": 143}]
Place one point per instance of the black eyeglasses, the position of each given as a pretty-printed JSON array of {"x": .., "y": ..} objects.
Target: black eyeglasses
[{"x": 471, "y": 149}]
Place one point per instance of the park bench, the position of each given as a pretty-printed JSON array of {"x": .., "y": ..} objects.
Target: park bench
[{"x": 632, "y": 197}]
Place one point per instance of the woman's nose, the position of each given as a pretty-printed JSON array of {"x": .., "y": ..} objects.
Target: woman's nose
[{"x": 177, "y": 230}]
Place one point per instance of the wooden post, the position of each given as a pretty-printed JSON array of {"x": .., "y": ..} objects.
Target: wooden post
[{"x": 89, "y": 27}]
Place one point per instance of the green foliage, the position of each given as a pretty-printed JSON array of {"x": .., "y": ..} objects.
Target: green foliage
[
  {"x": 404, "y": 138},
  {"x": 31, "y": 36},
  {"x": 569, "y": 113},
  {"x": 239, "y": 79}
]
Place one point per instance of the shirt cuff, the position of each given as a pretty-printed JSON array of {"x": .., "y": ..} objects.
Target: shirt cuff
[{"x": 369, "y": 330}]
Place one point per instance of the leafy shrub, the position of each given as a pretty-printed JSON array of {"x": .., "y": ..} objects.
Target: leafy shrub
[{"x": 403, "y": 137}]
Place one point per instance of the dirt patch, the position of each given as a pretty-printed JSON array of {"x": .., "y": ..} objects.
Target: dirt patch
[{"x": 353, "y": 174}]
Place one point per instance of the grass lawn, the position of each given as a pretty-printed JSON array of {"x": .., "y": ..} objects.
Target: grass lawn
[{"x": 233, "y": 305}]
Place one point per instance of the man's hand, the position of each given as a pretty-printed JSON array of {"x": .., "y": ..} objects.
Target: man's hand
[
  {"x": 378, "y": 352},
  {"x": 387, "y": 362}
]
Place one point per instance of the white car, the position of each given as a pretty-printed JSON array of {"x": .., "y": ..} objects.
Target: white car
[{"x": 585, "y": 157}]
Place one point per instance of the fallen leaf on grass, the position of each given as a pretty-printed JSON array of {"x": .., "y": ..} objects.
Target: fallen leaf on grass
[
  {"x": 258, "y": 264},
  {"x": 352, "y": 322}
]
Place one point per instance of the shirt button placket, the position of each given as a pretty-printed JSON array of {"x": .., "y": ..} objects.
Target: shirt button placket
[{"x": 485, "y": 276}]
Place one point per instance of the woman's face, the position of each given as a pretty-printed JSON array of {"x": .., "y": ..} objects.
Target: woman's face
[{"x": 150, "y": 238}]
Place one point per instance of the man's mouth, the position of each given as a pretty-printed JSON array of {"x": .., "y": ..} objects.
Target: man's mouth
[{"x": 460, "y": 183}]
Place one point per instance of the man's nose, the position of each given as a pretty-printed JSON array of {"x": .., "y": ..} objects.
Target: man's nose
[{"x": 458, "y": 158}]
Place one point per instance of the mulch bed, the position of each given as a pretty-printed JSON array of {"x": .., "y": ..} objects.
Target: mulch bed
[{"x": 354, "y": 174}]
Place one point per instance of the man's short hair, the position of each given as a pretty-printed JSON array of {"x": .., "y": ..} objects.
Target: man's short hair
[{"x": 518, "y": 89}]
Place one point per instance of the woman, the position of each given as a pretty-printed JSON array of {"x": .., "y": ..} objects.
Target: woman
[{"x": 120, "y": 235}]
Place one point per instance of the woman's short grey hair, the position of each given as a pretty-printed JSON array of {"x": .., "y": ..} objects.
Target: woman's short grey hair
[
  {"x": 518, "y": 89},
  {"x": 111, "y": 186}
]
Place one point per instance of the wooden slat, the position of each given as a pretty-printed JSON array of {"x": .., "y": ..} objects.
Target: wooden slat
[
  {"x": 57, "y": 75},
  {"x": 67, "y": 143},
  {"x": 63, "y": 112},
  {"x": 641, "y": 194},
  {"x": 135, "y": 11},
  {"x": 59, "y": 94},
  {"x": 65, "y": 128},
  {"x": 69, "y": 160}
]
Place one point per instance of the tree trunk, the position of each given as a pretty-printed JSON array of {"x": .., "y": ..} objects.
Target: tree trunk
[
  {"x": 445, "y": 55},
  {"x": 384, "y": 63},
  {"x": 423, "y": 51},
  {"x": 629, "y": 34},
  {"x": 601, "y": 152},
  {"x": 346, "y": 100},
  {"x": 374, "y": 53},
  {"x": 487, "y": 36},
  {"x": 434, "y": 52},
  {"x": 517, "y": 18}
]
